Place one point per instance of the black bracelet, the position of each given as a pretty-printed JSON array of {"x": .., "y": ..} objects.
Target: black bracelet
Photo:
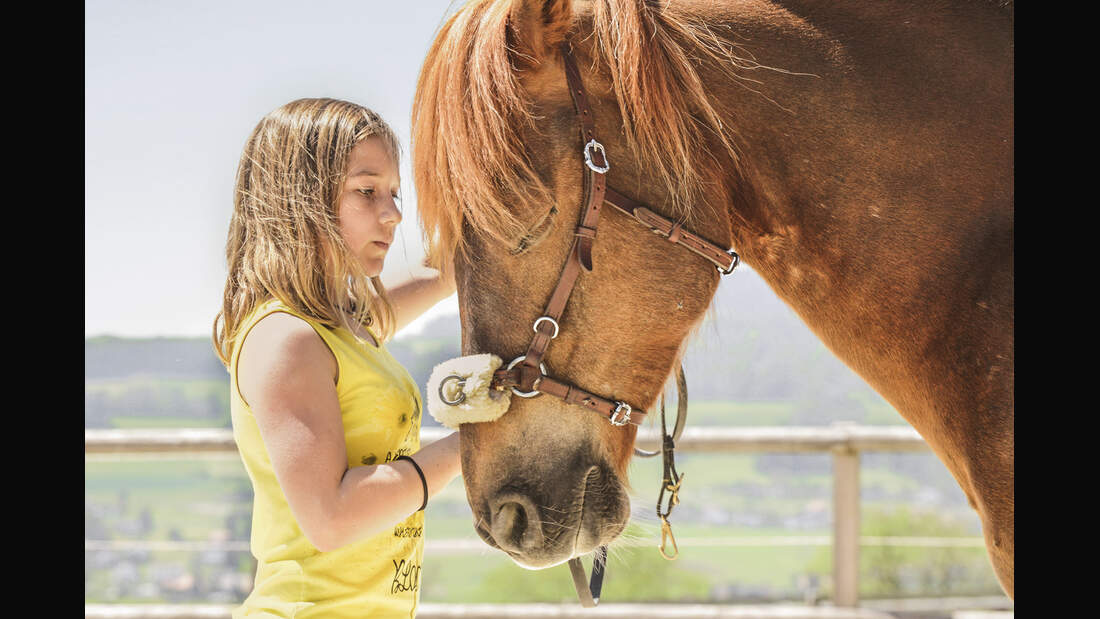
[{"x": 422, "y": 479}]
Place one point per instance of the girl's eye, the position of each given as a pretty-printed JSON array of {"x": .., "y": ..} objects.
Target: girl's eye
[{"x": 369, "y": 193}]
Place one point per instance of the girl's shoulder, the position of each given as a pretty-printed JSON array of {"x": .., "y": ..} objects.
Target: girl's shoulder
[
  {"x": 278, "y": 340},
  {"x": 284, "y": 331}
]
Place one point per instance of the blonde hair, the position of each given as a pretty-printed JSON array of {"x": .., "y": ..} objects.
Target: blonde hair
[{"x": 284, "y": 238}]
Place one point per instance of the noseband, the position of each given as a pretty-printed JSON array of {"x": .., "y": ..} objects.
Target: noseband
[{"x": 526, "y": 375}]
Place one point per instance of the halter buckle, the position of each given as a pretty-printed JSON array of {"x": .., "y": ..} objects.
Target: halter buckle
[
  {"x": 589, "y": 150},
  {"x": 733, "y": 265},
  {"x": 618, "y": 419}
]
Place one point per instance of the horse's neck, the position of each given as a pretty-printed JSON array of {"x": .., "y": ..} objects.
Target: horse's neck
[{"x": 875, "y": 194}]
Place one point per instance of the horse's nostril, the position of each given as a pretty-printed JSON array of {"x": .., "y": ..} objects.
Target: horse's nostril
[
  {"x": 509, "y": 524},
  {"x": 515, "y": 524}
]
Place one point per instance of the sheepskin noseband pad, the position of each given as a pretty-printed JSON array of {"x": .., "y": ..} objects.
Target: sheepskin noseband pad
[{"x": 458, "y": 391}]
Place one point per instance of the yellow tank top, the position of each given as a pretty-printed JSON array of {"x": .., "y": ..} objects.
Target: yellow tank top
[{"x": 376, "y": 577}]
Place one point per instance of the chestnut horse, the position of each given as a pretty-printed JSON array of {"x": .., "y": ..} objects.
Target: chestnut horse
[{"x": 857, "y": 155}]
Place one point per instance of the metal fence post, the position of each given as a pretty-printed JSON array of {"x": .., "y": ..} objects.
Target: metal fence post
[{"x": 846, "y": 527}]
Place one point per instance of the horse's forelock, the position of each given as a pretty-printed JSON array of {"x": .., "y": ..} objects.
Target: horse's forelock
[
  {"x": 469, "y": 161},
  {"x": 652, "y": 55}
]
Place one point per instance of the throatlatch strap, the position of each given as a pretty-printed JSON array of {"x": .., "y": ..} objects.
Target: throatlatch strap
[
  {"x": 725, "y": 260},
  {"x": 589, "y": 592}
]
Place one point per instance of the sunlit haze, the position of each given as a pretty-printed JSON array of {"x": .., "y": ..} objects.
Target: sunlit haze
[{"x": 172, "y": 91}]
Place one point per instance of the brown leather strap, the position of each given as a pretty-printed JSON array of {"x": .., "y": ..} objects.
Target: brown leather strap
[
  {"x": 595, "y": 182},
  {"x": 580, "y": 255},
  {"x": 723, "y": 259},
  {"x": 530, "y": 379},
  {"x": 575, "y": 395},
  {"x": 545, "y": 331},
  {"x": 578, "y": 93}
]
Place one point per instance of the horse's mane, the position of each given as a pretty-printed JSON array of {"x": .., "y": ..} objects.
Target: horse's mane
[{"x": 469, "y": 161}]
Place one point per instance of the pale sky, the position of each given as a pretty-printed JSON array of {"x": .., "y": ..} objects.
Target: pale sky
[{"x": 172, "y": 90}]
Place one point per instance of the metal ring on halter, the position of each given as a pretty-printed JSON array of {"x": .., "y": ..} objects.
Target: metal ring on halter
[
  {"x": 552, "y": 321},
  {"x": 461, "y": 394},
  {"x": 733, "y": 265},
  {"x": 527, "y": 394},
  {"x": 594, "y": 146},
  {"x": 620, "y": 420}
]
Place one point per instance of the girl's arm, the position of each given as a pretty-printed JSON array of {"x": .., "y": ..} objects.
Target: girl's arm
[
  {"x": 414, "y": 296},
  {"x": 287, "y": 375}
]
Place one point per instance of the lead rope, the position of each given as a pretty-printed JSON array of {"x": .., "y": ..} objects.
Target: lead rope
[
  {"x": 589, "y": 592},
  {"x": 671, "y": 484},
  {"x": 672, "y": 478}
]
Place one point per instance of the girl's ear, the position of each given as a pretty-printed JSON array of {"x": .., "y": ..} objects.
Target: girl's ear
[{"x": 537, "y": 27}]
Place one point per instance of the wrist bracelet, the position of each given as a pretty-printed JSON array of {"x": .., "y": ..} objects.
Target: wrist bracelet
[{"x": 422, "y": 479}]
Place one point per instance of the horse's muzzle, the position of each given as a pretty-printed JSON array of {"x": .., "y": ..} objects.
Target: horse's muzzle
[{"x": 538, "y": 530}]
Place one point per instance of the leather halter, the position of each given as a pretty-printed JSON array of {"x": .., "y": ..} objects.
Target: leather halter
[{"x": 526, "y": 375}]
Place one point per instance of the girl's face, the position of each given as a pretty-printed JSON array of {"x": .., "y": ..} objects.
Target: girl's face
[{"x": 367, "y": 207}]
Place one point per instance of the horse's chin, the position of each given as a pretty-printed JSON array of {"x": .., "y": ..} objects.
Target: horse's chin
[
  {"x": 539, "y": 561},
  {"x": 543, "y": 562},
  {"x": 538, "y": 566}
]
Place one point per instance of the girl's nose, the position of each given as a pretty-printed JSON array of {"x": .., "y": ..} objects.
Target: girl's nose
[{"x": 391, "y": 214}]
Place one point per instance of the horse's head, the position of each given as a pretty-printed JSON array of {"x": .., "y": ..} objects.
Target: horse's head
[{"x": 501, "y": 180}]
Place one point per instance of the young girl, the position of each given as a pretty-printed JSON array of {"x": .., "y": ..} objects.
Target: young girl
[{"x": 326, "y": 420}]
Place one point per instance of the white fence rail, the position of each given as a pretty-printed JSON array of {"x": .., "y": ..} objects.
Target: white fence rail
[
  {"x": 797, "y": 439},
  {"x": 844, "y": 441}
]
